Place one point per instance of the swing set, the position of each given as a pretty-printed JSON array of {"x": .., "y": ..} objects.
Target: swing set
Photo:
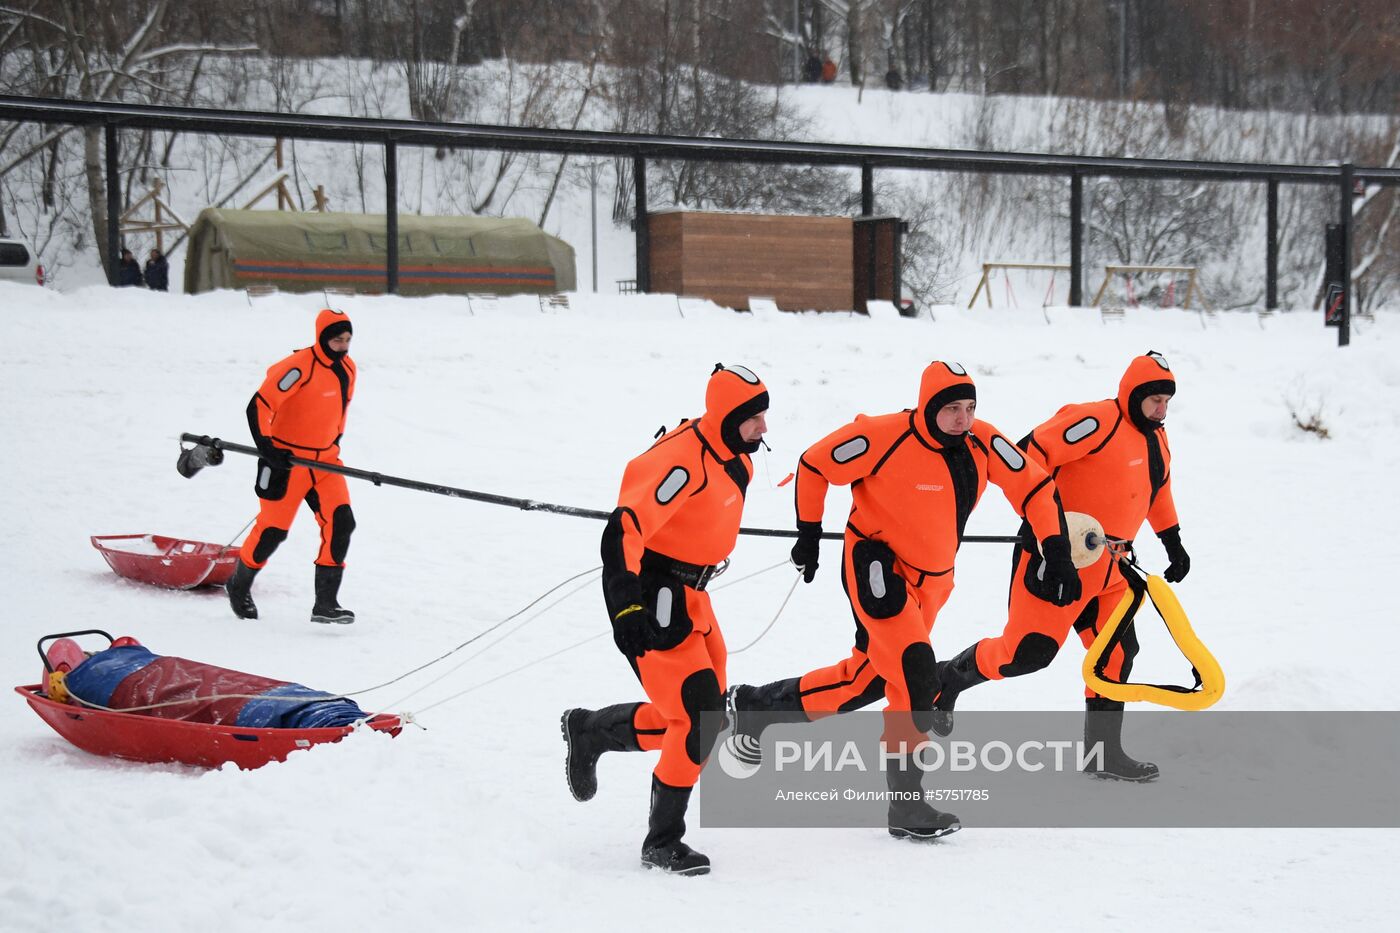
[{"x": 1166, "y": 296}]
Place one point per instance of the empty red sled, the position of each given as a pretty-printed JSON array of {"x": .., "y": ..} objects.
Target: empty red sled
[
  {"x": 174, "y": 563},
  {"x": 145, "y": 738}
]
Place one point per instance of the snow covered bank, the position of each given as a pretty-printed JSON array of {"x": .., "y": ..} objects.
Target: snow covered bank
[{"x": 468, "y": 824}]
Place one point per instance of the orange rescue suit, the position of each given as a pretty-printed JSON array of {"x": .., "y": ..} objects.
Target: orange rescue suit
[
  {"x": 677, "y": 517},
  {"x": 303, "y": 400},
  {"x": 1109, "y": 461},
  {"x": 912, "y": 489},
  {"x": 300, "y": 407}
]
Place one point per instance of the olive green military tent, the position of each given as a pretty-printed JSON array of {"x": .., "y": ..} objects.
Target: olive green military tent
[{"x": 307, "y": 252}]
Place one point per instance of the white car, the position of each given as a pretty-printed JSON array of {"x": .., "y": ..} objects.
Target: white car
[{"x": 18, "y": 263}]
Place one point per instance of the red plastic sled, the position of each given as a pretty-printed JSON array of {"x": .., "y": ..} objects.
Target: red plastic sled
[
  {"x": 145, "y": 738},
  {"x": 169, "y": 562}
]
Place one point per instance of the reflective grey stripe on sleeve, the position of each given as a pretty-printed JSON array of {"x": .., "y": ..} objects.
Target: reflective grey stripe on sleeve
[
  {"x": 673, "y": 483},
  {"x": 1009, "y": 455},
  {"x": 849, "y": 450},
  {"x": 1081, "y": 429},
  {"x": 292, "y": 377},
  {"x": 265, "y": 477}
]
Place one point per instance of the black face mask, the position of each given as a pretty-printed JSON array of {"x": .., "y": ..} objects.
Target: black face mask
[
  {"x": 729, "y": 427},
  {"x": 955, "y": 393},
  {"x": 329, "y": 334},
  {"x": 1135, "y": 398}
]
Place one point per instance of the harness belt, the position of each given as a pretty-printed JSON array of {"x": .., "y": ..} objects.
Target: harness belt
[{"x": 695, "y": 576}]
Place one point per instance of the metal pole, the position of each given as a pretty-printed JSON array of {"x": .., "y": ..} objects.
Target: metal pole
[
  {"x": 867, "y": 189},
  {"x": 1076, "y": 239},
  {"x": 1271, "y": 262},
  {"x": 643, "y": 235},
  {"x": 796, "y": 41},
  {"x": 1348, "y": 180},
  {"x": 515, "y": 502},
  {"x": 391, "y": 215},
  {"x": 1122, "y": 49},
  {"x": 114, "y": 202},
  {"x": 593, "y": 213}
]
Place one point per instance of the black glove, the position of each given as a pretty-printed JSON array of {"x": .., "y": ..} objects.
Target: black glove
[
  {"x": 279, "y": 458},
  {"x": 807, "y": 549},
  {"x": 1062, "y": 585},
  {"x": 632, "y": 627},
  {"x": 1180, "y": 564}
]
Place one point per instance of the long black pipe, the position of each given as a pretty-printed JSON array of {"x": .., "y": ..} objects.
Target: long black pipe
[{"x": 491, "y": 498}]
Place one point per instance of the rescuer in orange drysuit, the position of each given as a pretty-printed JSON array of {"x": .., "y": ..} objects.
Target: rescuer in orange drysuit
[
  {"x": 1109, "y": 459},
  {"x": 299, "y": 411},
  {"x": 915, "y": 476},
  {"x": 676, "y": 522}
]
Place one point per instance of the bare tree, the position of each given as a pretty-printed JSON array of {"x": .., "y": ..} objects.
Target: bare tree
[{"x": 81, "y": 51}]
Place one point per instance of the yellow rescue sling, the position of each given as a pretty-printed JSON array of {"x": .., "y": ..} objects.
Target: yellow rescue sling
[{"x": 1210, "y": 679}]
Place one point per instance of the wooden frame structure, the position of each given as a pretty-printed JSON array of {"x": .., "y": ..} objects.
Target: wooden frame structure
[
  {"x": 989, "y": 267},
  {"x": 1189, "y": 271},
  {"x": 159, "y": 224}
]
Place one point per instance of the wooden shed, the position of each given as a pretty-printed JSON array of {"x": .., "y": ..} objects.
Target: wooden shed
[{"x": 803, "y": 263}]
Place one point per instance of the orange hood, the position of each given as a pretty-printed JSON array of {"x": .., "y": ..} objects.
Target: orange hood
[
  {"x": 734, "y": 395},
  {"x": 1146, "y": 375},
  {"x": 941, "y": 383}
]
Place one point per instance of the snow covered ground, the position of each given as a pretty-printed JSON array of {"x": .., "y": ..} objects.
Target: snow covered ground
[{"x": 468, "y": 824}]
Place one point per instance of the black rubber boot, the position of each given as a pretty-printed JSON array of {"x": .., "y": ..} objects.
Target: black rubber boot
[
  {"x": 954, "y": 677},
  {"x": 327, "y": 609},
  {"x": 1103, "y": 722},
  {"x": 663, "y": 848},
  {"x": 589, "y": 733},
  {"x": 240, "y": 591},
  {"x": 780, "y": 701},
  {"x": 909, "y": 816}
]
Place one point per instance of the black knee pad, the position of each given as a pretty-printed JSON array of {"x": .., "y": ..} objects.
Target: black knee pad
[
  {"x": 1034, "y": 652},
  {"x": 920, "y": 675},
  {"x": 700, "y": 695},
  {"x": 342, "y": 527},
  {"x": 271, "y": 538}
]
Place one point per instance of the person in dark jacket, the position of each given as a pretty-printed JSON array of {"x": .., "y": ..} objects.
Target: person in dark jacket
[
  {"x": 157, "y": 272},
  {"x": 129, "y": 271}
]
